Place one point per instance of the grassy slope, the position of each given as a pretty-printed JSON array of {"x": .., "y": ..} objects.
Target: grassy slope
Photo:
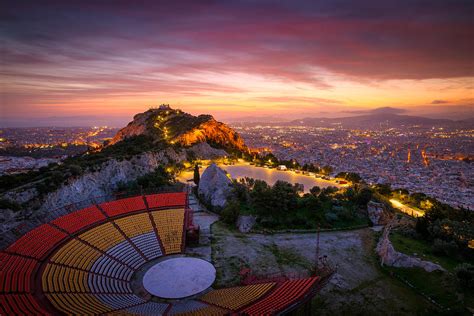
[
  {"x": 441, "y": 286},
  {"x": 422, "y": 249}
]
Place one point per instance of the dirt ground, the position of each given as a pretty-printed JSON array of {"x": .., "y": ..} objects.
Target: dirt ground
[{"x": 359, "y": 287}]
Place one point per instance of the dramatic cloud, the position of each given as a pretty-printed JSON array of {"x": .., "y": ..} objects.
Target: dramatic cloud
[{"x": 233, "y": 56}]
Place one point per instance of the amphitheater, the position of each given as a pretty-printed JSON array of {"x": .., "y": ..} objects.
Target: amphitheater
[{"x": 127, "y": 257}]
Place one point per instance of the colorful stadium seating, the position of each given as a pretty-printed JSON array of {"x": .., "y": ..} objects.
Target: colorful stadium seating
[
  {"x": 78, "y": 304},
  {"x": 186, "y": 306},
  {"x": 124, "y": 206},
  {"x": 103, "y": 237},
  {"x": 37, "y": 242},
  {"x": 78, "y": 220},
  {"x": 127, "y": 254},
  {"x": 76, "y": 254},
  {"x": 135, "y": 224},
  {"x": 20, "y": 304},
  {"x": 16, "y": 273},
  {"x": 206, "y": 311},
  {"x": 166, "y": 200},
  {"x": 169, "y": 224},
  {"x": 148, "y": 245},
  {"x": 285, "y": 295},
  {"x": 150, "y": 308},
  {"x": 105, "y": 265},
  {"x": 237, "y": 297},
  {"x": 133, "y": 204}
]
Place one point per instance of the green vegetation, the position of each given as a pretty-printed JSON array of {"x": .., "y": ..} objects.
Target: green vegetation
[
  {"x": 448, "y": 229},
  {"x": 465, "y": 274},
  {"x": 349, "y": 176},
  {"x": 231, "y": 212},
  {"x": 159, "y": 178},
  {"x": 441, "y": 236},
  {"x": 196, "y": 175},
  {"x": 442, "y": 287},
  {"x": 408, "y": 243},
  {"x": 281, "y": 206},
  {"x": 10, "y": 205}
]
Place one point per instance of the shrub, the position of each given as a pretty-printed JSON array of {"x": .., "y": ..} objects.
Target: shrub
[
  {"x": 75, "y": 170},
  {"x": 445, "y": 248},
  {"x": 465, "y": 275},
  {"x": 10, "y": 205},
  {"x": 231, "y": 212}
]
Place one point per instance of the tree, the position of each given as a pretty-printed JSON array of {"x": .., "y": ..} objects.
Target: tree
[
  {"x": 384, "y": 189},
  {"x": 197, "y": 176},
  {"x": 465, "y": 274},
  {"x": 231, "y": 212},
  {"x": 260, "y": 196},
  {"x": 284, "y": 197},
  {"x": 315, "y": 190},
  {"x": 349, "y": 176},
  {"x": 363, "y": 196},
  {"x": 327, "y": 170},
  {"x": 75, "y": 170}
]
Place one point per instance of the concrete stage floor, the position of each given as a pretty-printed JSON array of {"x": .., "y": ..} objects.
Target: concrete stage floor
[{"x": 179, "y": 277}]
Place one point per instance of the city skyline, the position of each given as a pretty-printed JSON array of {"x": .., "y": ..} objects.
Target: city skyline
[{"x": 90, "y": 62}]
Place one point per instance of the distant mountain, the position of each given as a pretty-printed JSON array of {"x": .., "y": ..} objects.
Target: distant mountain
[{"x": 380, "y": 120}]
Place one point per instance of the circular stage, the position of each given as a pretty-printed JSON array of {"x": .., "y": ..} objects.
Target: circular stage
[{"x": 179, "y": 277}]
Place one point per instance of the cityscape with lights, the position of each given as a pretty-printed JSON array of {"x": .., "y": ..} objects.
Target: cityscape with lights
[{"x": 250, "y": 158}]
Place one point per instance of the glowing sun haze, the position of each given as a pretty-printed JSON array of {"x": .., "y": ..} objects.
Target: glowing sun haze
[{"x": 235, "y": 58}]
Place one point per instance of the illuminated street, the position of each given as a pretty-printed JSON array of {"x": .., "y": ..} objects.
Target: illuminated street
[{"x": 406, "y": 209}]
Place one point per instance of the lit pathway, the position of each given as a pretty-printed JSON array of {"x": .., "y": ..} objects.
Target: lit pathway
[{"x": 406, "y": 209}]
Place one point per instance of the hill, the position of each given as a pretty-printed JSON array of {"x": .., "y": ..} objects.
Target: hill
[{"x": 175, "y": 127}]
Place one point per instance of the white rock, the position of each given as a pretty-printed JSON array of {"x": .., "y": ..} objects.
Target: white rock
[{"x": 215, "y": 187}]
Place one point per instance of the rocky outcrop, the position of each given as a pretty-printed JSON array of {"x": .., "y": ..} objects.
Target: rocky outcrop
[
  {"x": 215, "y": 187},
  {"x": 205, "y": 151},
  {"x": 245, "y": 223},
  {"x": 177, "y": 127},
  {"x": 390, "y": 257},
  {"x": 136, "y": 127},
  {"x": 103, "y": 182},
  {"x": 110, "y": 175},
  {"x": 214, "y": 132},
  {"x": 377, "y": 213}
]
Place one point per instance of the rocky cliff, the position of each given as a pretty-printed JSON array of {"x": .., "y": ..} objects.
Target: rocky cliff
[{"x": 178, "y": 128}]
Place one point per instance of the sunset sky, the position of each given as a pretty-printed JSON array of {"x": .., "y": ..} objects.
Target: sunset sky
[{"x": 90, "y": 60}]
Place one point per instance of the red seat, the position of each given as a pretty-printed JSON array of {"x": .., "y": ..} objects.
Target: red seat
[
  {"x": 134, "y": 203},
  {"x": 113, "y": 208},
  {"x": 16, "y": 273},
  {"x": 166, "y": 200},
  {"x": 78, "y": 220},
  {"x": 20, "y": 304},
  {"x": 281, "y": 298},
  {"x": 37, "y": 242}
]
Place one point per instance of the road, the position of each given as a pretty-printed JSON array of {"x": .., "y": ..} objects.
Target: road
[{"x": 406, "y": 209}]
